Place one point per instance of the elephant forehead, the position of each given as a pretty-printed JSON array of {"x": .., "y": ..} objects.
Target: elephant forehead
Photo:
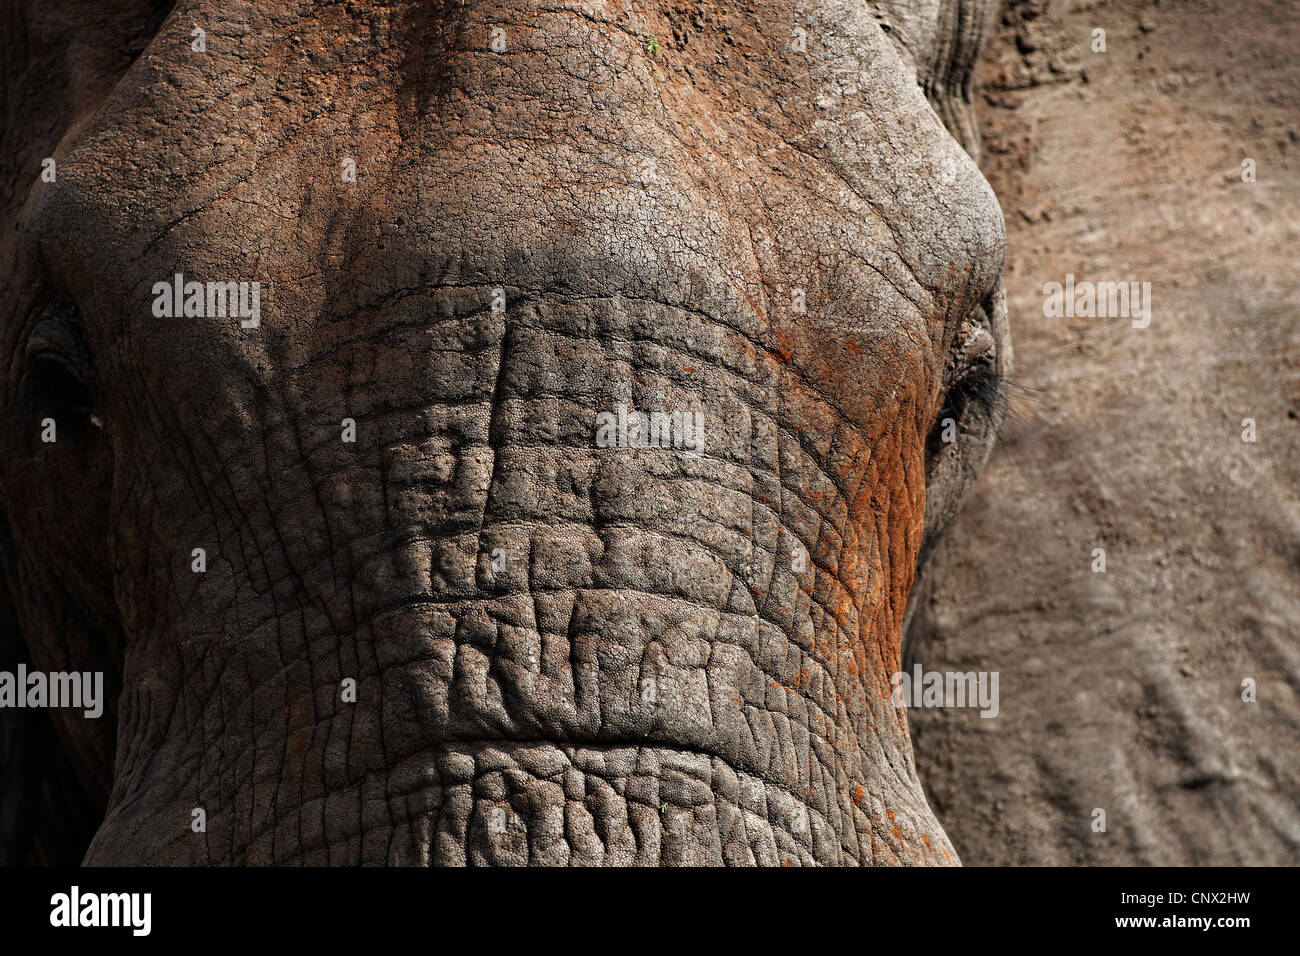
[{"x": 823, "y": 170}]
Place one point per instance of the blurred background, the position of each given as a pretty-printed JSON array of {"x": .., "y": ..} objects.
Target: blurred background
[{"x": 1123, "y": 690}]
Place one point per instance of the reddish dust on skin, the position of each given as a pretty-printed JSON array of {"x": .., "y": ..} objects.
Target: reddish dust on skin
[
  {"x": 875, "y": 500},
  {"x": 758, "y": 310},
  {"x": 777, "y": 685},
  {"x": 898, "y": 834},
  {"x": 784, "y": 349}
]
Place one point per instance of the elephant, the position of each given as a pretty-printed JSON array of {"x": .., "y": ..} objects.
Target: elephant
[{"x": 362, "y": 584}]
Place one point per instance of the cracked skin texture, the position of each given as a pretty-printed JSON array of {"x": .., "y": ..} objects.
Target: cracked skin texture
[{"x": 649, "y": 218}]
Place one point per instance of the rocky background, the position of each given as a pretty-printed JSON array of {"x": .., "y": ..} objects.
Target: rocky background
[{"x": 1123, "y": 690}]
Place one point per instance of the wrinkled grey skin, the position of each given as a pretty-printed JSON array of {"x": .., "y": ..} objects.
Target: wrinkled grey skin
[{"x": 649, "y": 214}]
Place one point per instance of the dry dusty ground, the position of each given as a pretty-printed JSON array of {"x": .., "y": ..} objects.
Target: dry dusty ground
[{"x": 1123, "y": 690}]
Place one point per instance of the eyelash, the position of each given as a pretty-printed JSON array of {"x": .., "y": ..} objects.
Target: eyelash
[
  {"x": 983, "y": 387},
  {"x": 54, "y": 386},
  {"x": 56, "y": 381}
]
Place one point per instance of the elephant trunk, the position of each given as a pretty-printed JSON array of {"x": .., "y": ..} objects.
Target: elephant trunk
[{"x": 473, "y": 614}]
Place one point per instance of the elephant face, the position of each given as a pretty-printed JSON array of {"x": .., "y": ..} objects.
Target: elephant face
[{"x": 365, "y": 581}]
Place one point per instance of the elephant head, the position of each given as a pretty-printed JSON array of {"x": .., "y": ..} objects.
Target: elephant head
[{"x": 363, "y": 581}]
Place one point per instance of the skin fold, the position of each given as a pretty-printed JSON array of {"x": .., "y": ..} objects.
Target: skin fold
[{"x": 501, "y": 590}]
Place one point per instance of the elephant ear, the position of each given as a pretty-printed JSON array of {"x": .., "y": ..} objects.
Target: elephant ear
[
  {"x": 19, "y": 729},
  {"x": 53, "y": 69},
  {"x": 47, "y": 815},
  {"x": 18, "y": 737},
  {"x": 943, "y": 39}
]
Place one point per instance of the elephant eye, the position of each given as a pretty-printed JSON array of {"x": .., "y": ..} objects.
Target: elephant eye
[
  {"x": 57, "y": 390},
  {"x": 981, "y": 388},
  {"x": 975, "y": 383},
  {"x": 979, "y": 393}
]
